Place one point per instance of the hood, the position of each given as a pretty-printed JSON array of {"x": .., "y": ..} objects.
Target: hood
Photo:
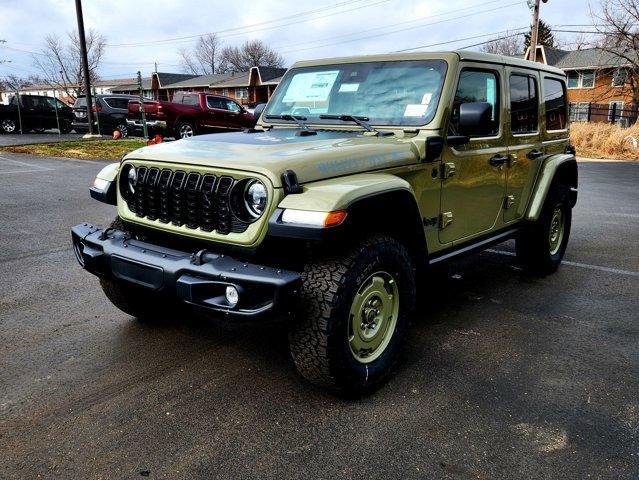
[{"x": 314, "y": 157}]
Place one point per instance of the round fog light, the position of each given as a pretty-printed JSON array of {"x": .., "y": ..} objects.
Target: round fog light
[{"x": 232, "y": 296}]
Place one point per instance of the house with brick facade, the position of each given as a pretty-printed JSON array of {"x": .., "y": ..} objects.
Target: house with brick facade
[{"x": 599, "y": 87}]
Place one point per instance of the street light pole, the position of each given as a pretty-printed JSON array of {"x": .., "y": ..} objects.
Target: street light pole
[{"x": 85, "y": 64}]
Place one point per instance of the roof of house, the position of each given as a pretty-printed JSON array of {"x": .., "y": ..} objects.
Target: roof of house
[
  {"x": 200, "y": 81},
  {"x": 166, "y": 79},
  {"x": 584, "y": 58},
  {"x": 271, "y": 74},
  {"x": 133, "y": 86},
  {"x": 238, "y": 79}
]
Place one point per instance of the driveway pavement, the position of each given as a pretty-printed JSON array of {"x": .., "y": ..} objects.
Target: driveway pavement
[{"x": 503, "y": 376}]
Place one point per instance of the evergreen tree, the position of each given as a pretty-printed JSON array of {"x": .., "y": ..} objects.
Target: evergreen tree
[{"x": 544, "y": 36}]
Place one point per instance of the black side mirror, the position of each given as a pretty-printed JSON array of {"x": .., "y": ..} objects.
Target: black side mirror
[
  {"x": 474, "y": 118},
  {"x": 259, "y": 108}
]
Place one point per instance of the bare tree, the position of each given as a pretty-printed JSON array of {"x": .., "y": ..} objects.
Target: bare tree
[
  {"x": 201, "y": 59},
  {"x": 618, "y": 23},
  {"x": 510, "y": 44},
  {"x": 60, "y": 61},
  {"x": 253, "y": 53}
]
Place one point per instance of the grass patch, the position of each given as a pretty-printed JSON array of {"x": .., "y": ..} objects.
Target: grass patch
[
  {"x": 93, "y": 149},
  {"x": 602, "y": 140}
]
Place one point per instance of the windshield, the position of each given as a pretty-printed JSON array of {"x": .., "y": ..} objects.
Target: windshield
[{"x": 386, "y": 93}]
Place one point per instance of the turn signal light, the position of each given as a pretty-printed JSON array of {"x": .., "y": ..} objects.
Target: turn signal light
[{"x": 334, "y": 218}]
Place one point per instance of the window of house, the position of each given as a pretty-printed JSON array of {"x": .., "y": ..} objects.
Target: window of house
[
  {"x": 477, "y": 86},
  {"x": 524, "y": 104},
  {"x": 241, "y": 93},
  {"x": 225, "y": 92},
  {"x": 579, "y": 111},
  {"x": 573, "y": 79},
  {"x": 555, "y": 104},
  {"x": 615, "y": 108},
  {"x": 620, "y": 77},
  {"x": 581, "y": 79}
]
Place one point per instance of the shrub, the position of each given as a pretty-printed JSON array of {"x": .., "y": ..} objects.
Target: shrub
[{"x": 602, "y": 140}]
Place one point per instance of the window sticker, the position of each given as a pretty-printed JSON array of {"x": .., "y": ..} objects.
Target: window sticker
[
  {"x": 491, "y": 94},
  {"x": 427, "y": 98},
  {"x": 349, "y": 87},
  {"x": 415, "y": 110},
  {"x": 310, "y": 87}
]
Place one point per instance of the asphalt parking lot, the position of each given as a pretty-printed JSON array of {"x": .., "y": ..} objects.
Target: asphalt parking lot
[
  {"x": 504, "y": 376},
  {"x": 50, "y": 136}
]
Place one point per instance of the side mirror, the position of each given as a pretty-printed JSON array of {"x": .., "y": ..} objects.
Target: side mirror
[
  {"x": 474, "y": 117},
  {"x": 259, "y": 108}
]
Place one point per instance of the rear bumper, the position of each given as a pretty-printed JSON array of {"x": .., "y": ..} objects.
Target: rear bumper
[{"x": 198, "y": 279}]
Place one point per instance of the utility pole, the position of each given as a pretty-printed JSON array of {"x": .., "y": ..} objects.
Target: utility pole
[
  {"x": 85, "y": 64},
  {"x": 534, "y": 28},
  {"x": 144, "y": 129}
]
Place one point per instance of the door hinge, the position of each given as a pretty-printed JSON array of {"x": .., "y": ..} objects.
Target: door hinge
[
  {"x": 445, "y": 219},
  {"x": 448, "y": 170},
  {"x": 509, "y": 201}
]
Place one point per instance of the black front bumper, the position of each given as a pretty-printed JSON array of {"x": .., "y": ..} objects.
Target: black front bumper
[{"x": 198, "y": 278}]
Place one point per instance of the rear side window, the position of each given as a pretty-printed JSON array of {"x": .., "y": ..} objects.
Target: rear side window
[
  {"x": 192, "y": 100},
  {"x": 524, "y": 104},
  {"x": 117, "y": 102},
  {"x": 555, "y": 103},
  {"x": 477, "y": 86}
]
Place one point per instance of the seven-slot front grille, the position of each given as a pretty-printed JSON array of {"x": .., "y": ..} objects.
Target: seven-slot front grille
[{"x": 186, "y": 199}]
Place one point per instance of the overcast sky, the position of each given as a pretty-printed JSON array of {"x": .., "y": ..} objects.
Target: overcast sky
[{"x": 297, "y": 29}]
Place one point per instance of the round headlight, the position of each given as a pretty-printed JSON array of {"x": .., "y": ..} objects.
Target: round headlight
[
  {"x": 131, "y": 179},
  {"x": 255, "y": 196}
]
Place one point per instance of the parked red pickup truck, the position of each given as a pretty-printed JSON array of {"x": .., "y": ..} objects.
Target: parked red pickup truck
[{"x": 189, "y": 114}]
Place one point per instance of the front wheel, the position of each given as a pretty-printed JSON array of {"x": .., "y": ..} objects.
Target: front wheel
[
  {"x": 355, "y": 314},
  {"x": 541, "y": 246}
]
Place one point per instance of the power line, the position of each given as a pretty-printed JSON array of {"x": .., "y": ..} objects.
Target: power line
[
  {"x": 467, "y": 38},
  {"x": 247, "y": 27},
  {"x": 483, "y": 4},
  {"x": 401, "y": 29}
]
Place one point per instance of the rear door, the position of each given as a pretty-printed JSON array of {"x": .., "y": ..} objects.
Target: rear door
[
  {"x": 524, "y": 140},
  {"x": 473, "y": 189}
]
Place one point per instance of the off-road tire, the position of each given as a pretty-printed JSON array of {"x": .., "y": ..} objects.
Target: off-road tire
[
  {"x": 137, "y": 302},
  {"x": 533, "y": 245},
  {"x": 319, "y": 342}
]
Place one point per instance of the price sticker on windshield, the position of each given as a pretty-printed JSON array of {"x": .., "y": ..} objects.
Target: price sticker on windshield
[{"x": 310, "y": 87}]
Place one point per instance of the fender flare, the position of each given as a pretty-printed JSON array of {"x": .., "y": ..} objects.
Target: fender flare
[{"x": 564, "y": 165}]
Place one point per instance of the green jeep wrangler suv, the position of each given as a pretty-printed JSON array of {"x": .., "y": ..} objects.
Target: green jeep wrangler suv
[{"x": 360, "y": 172}]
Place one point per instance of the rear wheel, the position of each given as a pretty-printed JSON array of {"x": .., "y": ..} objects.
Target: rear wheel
[
  {"x": 122, "y": 128},
  {"x": 355, "y": 314},
  {"x": 185, "y": 130},
  {"x": 8, "y": 125},
  {"x": 541, "y": 246}
]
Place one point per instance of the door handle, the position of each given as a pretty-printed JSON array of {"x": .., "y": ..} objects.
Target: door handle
[
  {"x": 535, "y": 154},
  {"x": 498, "y": 160}
]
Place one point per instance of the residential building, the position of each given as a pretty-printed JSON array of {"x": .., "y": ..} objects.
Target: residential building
[
  {"x": 47, "y": 90},
  {"x": 599, "y": 89}
]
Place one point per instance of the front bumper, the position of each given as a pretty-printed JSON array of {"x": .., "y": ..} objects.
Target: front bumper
[{"x": 198, "y": 278}]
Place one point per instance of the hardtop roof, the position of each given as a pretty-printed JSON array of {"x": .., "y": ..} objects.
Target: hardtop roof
[{"x": 467, "y": 55}]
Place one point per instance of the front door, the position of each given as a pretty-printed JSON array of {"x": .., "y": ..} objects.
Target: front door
[
  {"x": 524, "y": 140},
  {"x": 473, "y": 174}
]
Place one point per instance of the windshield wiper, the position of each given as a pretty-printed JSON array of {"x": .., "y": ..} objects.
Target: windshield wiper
[
  {"x": 361, "y": 121},
  {"x": 294, "y": 118}
]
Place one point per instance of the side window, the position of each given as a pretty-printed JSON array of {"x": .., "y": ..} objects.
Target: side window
[
  {"x": 117, "y": 102},
  {"x": 214, "y": 102},
  {"x": 478, "y": 86},
  {"x": 192, "y": 100},
  {"x": 232, "y": 106},
  {"x": 524, "y": 104},
  {"x": 555, "y": 103}
]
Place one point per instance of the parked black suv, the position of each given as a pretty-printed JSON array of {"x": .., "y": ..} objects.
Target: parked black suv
[
  {"x": 109, "y": 109},
  {"x": 37, "y": 113}
]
